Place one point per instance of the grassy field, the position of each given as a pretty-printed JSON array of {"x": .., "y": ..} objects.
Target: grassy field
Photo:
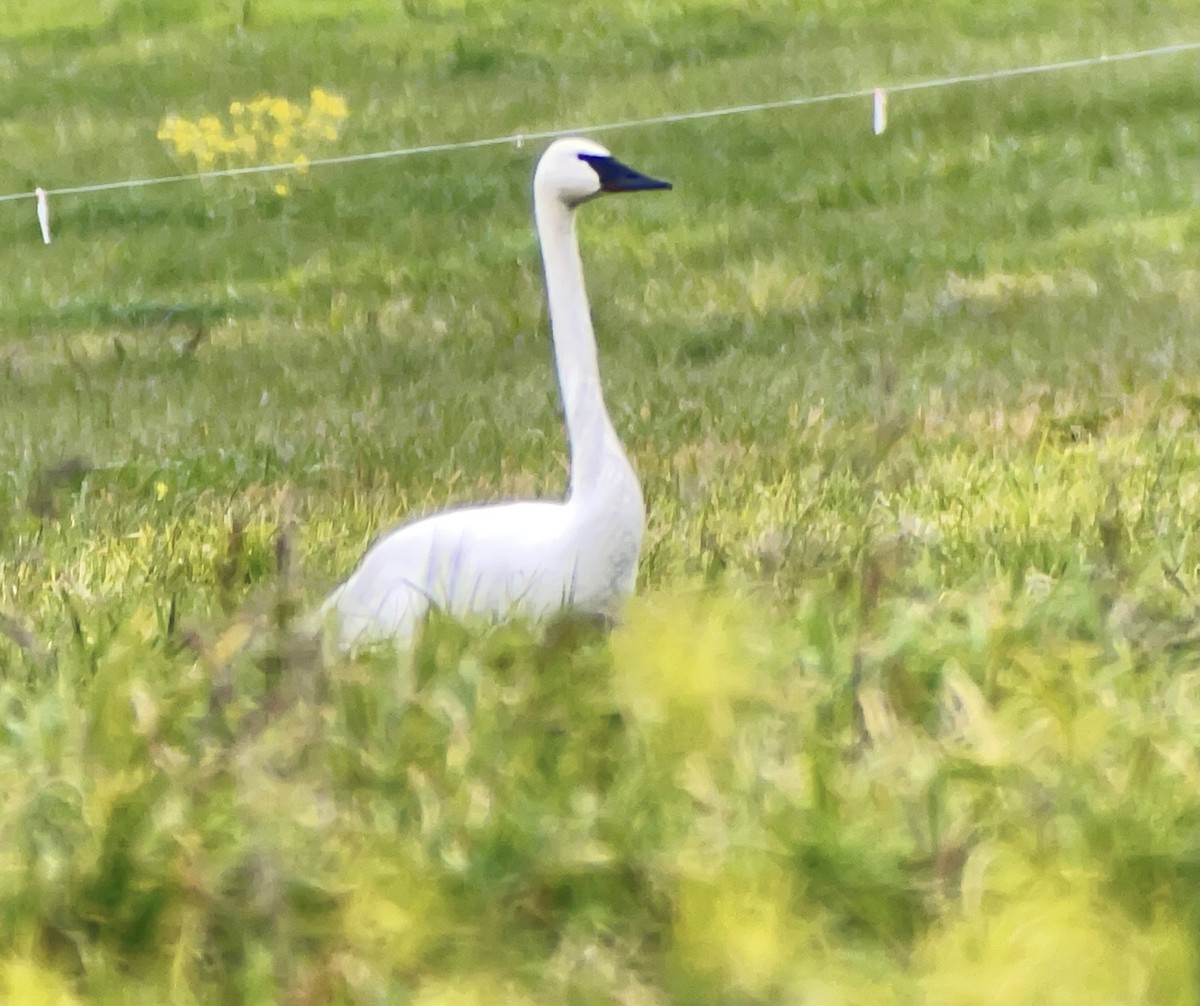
[{"x": 907, "y": 709}]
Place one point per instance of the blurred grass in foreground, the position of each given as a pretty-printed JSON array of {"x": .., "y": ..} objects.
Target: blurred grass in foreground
[{"x": 942, "y": 805}]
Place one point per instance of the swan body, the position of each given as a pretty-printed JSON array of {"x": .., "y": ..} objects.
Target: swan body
[{"x": 536, "y": 557}]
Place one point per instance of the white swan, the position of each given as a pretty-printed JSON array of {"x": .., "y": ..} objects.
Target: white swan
[{"x": 531, "y": 558}]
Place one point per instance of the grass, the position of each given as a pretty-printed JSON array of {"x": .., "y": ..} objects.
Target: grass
[{"x": 906, "y": 710}]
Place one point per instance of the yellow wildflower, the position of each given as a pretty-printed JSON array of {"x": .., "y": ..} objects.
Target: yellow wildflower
[
  {"x": 282, "y": 110},
  {"x": 268, "y": 125},
  {"x": 337, "y": 107}
]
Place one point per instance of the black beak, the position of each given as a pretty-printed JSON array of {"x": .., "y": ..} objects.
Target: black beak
[{"x": 617, "y": 177}]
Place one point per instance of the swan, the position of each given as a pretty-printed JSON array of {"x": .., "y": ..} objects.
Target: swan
[{"x": 539, "y": 556}]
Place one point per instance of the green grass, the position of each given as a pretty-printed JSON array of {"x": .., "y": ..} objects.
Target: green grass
[{"x": 907, "y": 709}]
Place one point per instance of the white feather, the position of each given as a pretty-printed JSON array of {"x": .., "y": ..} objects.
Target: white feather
[{"x": 535, "y": 557}]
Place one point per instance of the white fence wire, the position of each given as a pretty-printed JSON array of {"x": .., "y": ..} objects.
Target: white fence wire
[{"x": 1006, "y": 73}]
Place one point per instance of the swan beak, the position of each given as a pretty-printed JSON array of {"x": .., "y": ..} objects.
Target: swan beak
[{"x": 617, "y": 177}]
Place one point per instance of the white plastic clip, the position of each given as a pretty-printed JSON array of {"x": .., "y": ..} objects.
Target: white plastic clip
[
  {"x": 43, "y": 210},
  {"x": 880, "y": 117}
]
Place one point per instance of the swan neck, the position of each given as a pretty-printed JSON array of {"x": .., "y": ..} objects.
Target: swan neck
[{"x": 593, "y": 442}]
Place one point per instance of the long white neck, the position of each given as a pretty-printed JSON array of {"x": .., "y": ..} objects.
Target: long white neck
[{"x": 593, "y": 441}]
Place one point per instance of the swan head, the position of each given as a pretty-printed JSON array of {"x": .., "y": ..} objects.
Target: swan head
[{"x": 575, "y": 170}]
